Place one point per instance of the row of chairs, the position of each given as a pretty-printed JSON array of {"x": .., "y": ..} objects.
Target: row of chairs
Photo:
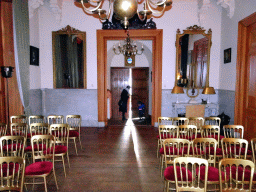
[{"x": 206, "y": 148}]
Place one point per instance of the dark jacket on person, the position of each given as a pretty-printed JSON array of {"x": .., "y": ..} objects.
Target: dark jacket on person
[{"x": 123, "y": 101}]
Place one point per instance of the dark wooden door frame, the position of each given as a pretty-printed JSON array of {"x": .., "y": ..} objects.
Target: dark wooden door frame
[{"x": 156, "y": 35}]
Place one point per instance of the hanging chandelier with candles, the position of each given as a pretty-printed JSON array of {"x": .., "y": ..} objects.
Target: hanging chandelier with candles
[
  {"x": 128, "y": 49},
  {"x": 124, "y": 9}
]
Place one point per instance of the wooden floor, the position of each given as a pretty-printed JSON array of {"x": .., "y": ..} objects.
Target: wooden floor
[{"x": 114, "y": 158}]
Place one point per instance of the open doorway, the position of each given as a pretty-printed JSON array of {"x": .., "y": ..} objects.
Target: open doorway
[{"x": 139, "y": 103}]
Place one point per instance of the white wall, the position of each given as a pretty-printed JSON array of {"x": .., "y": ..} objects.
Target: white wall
[
  {"x": 182, "y": 15},
  {"x": 229, "y": 32}
]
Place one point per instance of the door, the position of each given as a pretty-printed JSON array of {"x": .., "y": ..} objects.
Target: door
[
  {"x": 245, "y": 107},
  {"x": 139, "y": 89},
  {"x": 119, "y": 80}
]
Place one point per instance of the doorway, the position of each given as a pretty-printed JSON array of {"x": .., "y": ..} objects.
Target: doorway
[
  {"x": 156, "y": 35},
  {"x": 139, "y": 102}
]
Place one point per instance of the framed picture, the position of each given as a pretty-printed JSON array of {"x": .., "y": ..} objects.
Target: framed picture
[
  {"x": 129, "y": 61},
  {"x": 34, "y": 56},
  {"x": 227, "y": 55}
]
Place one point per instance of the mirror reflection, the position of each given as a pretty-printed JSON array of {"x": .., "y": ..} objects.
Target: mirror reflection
[
  {"x": 193, "y": 54},
  {"x": 69, "y": 58}
]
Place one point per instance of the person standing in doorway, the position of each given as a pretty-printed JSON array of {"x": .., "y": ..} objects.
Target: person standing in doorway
[{"x": 123, "y": 101}]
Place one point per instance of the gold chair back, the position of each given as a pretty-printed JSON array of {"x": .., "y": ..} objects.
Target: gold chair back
[
  {"x": 185, "y": 174},
  {"x": 211, "y": 131},
  {"x": 188, "y": 132},
  {"x": 164, "y": 121},
  {"x": 12, "y": 146},
  {"x": 36, "y": 119},
  {"x": 238, "y": 175},
  {"x": 180, "y": 121},
  {"x": 18, "y": 119},
  {"x": 234, "y": 148},
  {"x": 61, "y": 133},
  {"x": 167, "y": 131},
  {"x": 20, "y": 129},
  {"x": 233, "y": 131},
  {"x": 74, "y": 122},
  {"x": 55, "y": 119},
  {"x": 197, "y": 121},
  {"x": 12, "y": 171},
  {"x": 212, "y": 121},
  {"x": 253, "y": 146},
  {"x": 39, "y": 129},
  {"x": 3, "y": 129}
]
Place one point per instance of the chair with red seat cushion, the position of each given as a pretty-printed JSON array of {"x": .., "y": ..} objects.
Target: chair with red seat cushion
[
  {"x": 173, "y": 148},
  {"x": 212, "y": 121},
  {"x": 190, "y": 164},
  {"x": 180, "y": 121},
  {"x": 55, "y": 119},
  {"x": 233, "y": 131},
  {"x": 19, "y": 129},
  {"x": 61, "y": 133},
  {"x": 162, "y": 121},
  {"x": 241, "y": 171},
  {"x": 198, "y": 122},
  {"x": 36, "y": 119},
  {"x": 234, "y": 148},
  {"x": 74, "y": 122},
  {"x": 12, "y": 146},
  {"x": 187, "y": 132},
  {"x": 43, "y": 160},
  {"x": 253, "y": 147},
  {"x": 12, "y": 173},
  {"x": 19, "y": 119}
]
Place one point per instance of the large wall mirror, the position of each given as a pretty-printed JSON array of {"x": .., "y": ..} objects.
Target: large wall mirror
[
  {"x": 69, "y": 58},
  {"x": 193, "y": 57}
]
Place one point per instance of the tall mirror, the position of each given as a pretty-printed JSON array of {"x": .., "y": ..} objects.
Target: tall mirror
[
  {"x": 193, "y": 57},
  {"x": 69, "y": 58}
]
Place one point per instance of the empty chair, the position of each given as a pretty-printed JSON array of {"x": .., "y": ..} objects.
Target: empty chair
[
  {"x": 36, "y": 119},
  {"x": 233, "y": 131},
  {"x": 55, "y": 119},
  {"x": 235, "y": 148},
  {"x": 12, "y": 173},
  {"x": 12, "y": 146},
  {"x": 18, "y": 119},
  {"x": 180, "y": 121},
  {"x": 212, "y": 121},
  {"x": 188, "y": 132},
  {"x": 61, "y": 133},
  {"x": 253, "y": 146},
  {"x": 173, "y": 148},
  {"x": 74, "y": 122},
  {"x": 43, "y": 150},
  {"x": 162, "y": 121},
  {"x": 185, "y": 169},
  {"x": 166, "y": 132},
  {"x": 237, "y": 174},
  {"x": 197, "y": 121},
  {"x": 3, "y": 129}
]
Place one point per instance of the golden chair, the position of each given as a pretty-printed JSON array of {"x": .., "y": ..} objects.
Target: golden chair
[
  {"x": 188, "y": 132},
  {"x": 233, "y": 131},
  {"x": 197, "y": 121},
  {"x": 36, "y": 119},
  {"x": 3, "y": 129},
  {"x": 234, "y": 148},
  {"x": 61, "y": 133},
  {"x": 74, "y": 122},
  {"x": 209, "y": 147},
  {"x": 212, "y": 121},
  {"x": 20, "y": 129},
  {"x": 12, "y": 146},
  {"x": 55, "y": 119},
  {"x": 12, "y": 173},
  {"x": 185, "y": 169},
  {"x": 180, "y": 121},
  {"x": 173, "y": 148},
  {"x": 18, "y": 119},
  {"x": 43, "y": 150},
  {"x": 238, "y": 175},
  {"x": 162, "y": 121},
  {"x": 166, "y": 132},
  {"x": 253, "y": 146}
]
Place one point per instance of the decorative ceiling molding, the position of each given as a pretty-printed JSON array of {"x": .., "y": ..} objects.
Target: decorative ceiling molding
[
  {"x": 229, "y": 5},
  {"x": 33, "y": 5},
  {"x": 56, "y": 7}
]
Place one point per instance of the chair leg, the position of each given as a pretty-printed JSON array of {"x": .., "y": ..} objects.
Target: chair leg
[
  {"x": 45, "y": 184},
  {"x": 80, "y": 142},
  {"x": 157, "y": 152},
  {"x": 55, "y": 179},
  {"x": 64, "y": 167},
  {"x": 68, "y": 160},
  {"x": 75, "y": 146}
]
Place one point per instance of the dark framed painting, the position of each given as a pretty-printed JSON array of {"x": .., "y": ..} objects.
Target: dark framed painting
[
  {"x": 227, "y": 55},
  {"x": 34, "y": 56},
  {"x": 129, "y": 61}
]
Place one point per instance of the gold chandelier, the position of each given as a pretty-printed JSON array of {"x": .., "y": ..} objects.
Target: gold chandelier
[
  {"x": 124, "y": 9},
  {"x": 128, "y": 49}
]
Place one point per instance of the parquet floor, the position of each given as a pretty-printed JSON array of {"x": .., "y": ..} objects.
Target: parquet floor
[{"x": 114, "y": 158}]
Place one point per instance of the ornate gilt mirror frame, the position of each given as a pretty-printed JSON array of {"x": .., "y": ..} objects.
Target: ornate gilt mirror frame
[
  {"x": 81, "y": 36},
  {"x": 185, "y": 81}
]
